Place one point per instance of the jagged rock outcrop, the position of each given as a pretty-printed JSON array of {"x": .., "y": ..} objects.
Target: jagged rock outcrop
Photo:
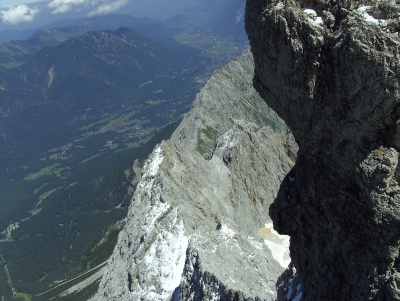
[
  {"x": 331, "y": 70},
  {"x": 191, "y": 230}
]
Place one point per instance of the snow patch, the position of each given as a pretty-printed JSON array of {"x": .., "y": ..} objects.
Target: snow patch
[
  {"x": 278, "y": 244},
  {"x": 227, "y": 231},
  {"x": 364, "y": 11},
  {"x": 152, "y": 165},
  {"x": 164, "y": 261},
  {"x": 310, "y": 12},
  {"x": 163, "y": 234},
  {"x": 313, "y": 17},
  {"x": 230, "y": 140}
]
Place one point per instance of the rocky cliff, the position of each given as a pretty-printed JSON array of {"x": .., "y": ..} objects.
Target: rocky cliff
[
  {"x": 331, "y": 70},
  {"x": 198, "y": 226}
]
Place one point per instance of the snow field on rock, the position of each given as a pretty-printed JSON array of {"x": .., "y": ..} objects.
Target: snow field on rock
[
  {"x": 313, "y": 16},
  {"x": 364, "y": 11},
  {"x": 151, "y": 167},
  {"x": 164, "y": 260},
  {"x": 278, "y": 244}
]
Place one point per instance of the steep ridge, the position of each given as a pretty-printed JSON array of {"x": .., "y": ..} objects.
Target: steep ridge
[
  {"x": 191, "y": 229},
  {"x": 330, "y": 69}
]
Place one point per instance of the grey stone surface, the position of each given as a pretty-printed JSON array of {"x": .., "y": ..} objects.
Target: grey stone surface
[
  {"x": 228, "y": 96},
  {"x": 331, "y": 70},
  {"x": 191, "y": 230}
]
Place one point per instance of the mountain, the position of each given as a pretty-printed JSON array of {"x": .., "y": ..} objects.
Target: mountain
[
  {"x": 106, "y": 22},
  {"x": 198, "y": 218},
  {"x": 44, "y": 37},
  {"x": 162, "y": 31},
  {"x": 17, "y": 49},
  {"x": 332, "y": 73},
  {"x": 60, "y": 30},
  {"x": 117, "y": 58},
  {"x": 215, "y": 29},
  {"x": 99, "y": 70}
]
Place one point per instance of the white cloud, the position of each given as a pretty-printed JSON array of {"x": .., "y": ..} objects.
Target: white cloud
[
  {"x": 103, "y": 7},
  {"x": 18, "y": 14},
  {"x": 108, "y": 8},
  {"x": 62, "y": 6}
]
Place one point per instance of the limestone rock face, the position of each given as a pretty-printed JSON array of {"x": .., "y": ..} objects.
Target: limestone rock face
[
  {"x": 228, "y": 96},
  {"x": 331, "y": 70},
  {"x": 191, "y": 230}
]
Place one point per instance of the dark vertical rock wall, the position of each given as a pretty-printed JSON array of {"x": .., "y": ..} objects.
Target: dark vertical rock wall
[{"x": 331, "y": 70}]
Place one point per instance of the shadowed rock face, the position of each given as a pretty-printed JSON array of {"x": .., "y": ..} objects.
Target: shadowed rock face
[{"x": 331, "y": 71}]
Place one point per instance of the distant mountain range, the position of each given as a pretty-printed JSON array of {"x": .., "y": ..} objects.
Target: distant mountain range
[
  {"x": 111, "y": 21},
  {"x": 221, "y": 15},
  {"x": 68, "y": 78}
]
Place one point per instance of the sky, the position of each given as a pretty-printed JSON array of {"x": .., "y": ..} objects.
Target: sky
[
  {"x": 16, "y": 12},
  {"x": 20, "y": 14}
]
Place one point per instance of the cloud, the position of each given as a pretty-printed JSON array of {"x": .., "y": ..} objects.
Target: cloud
[
  {"x": 103, "y": 7},
  {"x": 108, "y": 8},
  {"x": 62, "y": 6},
  {"x": 18, "y": 14}
]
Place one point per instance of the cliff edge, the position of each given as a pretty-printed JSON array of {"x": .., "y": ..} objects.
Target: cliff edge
[{"x": 331, "y": 70}]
